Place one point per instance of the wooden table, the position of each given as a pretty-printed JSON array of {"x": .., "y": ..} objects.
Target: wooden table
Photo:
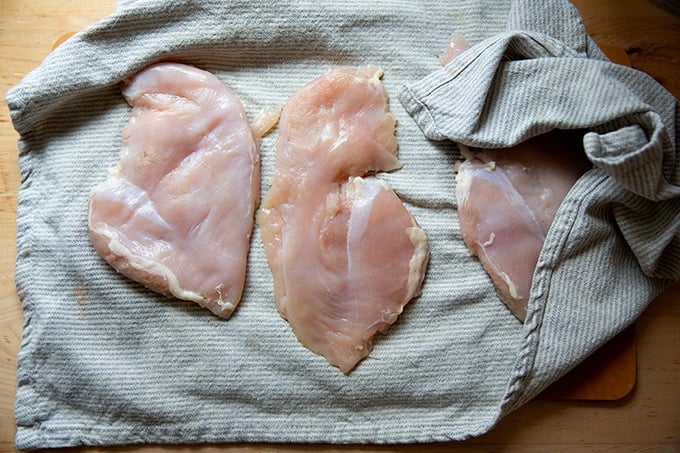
[{"x": 647, "y": 419}]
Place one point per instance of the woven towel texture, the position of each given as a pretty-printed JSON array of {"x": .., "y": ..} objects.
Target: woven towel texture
[{"x": 104, "y": 361}]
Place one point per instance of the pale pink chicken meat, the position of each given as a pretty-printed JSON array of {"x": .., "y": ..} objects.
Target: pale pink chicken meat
[
  {"x": 176, "y": 213},
  {"x": 457, "y": 45},
  {"x": 345, "y": 253},
  {"x": 508, "y": 199}
]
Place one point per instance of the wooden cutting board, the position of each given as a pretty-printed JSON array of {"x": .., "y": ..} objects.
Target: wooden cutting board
[{"x": 608, "y": 374}]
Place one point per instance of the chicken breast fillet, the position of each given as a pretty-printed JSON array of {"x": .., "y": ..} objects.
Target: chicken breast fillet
[
  {"x": 176, "y": 213},
  {"x": 345, "y": 253},
  {"x": 508, "y": 199}
]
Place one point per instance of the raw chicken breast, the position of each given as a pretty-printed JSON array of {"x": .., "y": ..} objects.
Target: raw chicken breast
[
  {"x": 457, "y": 45},
  {"x": 508, "y": 198},
  {"x": 176, "y": 213},
  {"x": 345, "y": 253}
]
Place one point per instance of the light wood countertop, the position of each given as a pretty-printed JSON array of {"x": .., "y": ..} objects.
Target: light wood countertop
[{"x": 647, "y": 419}]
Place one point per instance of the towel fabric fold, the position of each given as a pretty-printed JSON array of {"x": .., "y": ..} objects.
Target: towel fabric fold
[{"x": 104, "y": 361}]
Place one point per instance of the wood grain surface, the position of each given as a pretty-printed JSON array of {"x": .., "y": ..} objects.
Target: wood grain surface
[{"x": 647, "y": 419}]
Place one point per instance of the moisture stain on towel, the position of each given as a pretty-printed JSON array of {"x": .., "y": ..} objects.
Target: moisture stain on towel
[{"x": 81, "y": 295}]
